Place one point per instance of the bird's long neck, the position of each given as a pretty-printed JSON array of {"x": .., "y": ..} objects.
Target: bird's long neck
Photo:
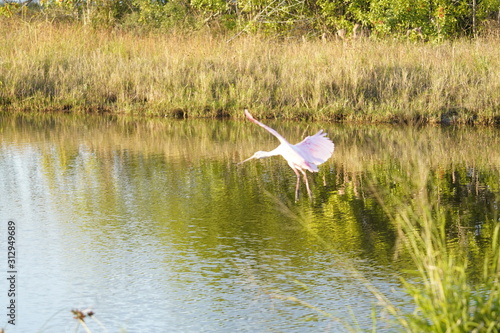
[{"x": 273, "y": 152}]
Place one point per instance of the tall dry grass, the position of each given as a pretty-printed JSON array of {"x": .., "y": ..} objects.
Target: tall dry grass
[{"x": 70, "y": 67}]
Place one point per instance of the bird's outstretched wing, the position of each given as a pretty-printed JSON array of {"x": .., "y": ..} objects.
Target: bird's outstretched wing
[
  {"x": 269, "y": 129},
  {"x": 316, "y": 149}
]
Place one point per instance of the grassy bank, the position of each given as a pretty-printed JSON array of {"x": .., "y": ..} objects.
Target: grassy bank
[{"x": 73, "y": 68}]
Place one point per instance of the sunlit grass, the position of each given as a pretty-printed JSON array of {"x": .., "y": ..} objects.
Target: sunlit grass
[{"x": 75, "y": 68}]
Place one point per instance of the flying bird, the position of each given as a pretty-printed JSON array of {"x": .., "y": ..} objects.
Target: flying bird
[{"x": 305, "y": 155}]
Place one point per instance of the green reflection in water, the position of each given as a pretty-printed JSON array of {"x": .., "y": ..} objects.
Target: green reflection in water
[
  {"x": 186, "y": 169},
  {"x": 179, "y": 182}
]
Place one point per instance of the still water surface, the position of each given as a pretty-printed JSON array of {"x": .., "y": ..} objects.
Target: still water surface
[{"x": 153, "y": 225}]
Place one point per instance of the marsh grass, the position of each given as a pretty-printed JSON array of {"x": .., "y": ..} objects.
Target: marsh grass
[
  {"x": 446, "y": 296},
  {"x": 74, "y": 68}
]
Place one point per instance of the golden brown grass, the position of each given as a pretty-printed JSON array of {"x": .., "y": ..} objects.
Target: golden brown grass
[{"x": 70, "y": 67}]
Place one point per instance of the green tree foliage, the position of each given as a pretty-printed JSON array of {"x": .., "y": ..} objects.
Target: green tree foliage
[
  {"x": 423, "y": 19},
  {"x": 158, "y": 13},
  {"x": 344, "y": 14}
]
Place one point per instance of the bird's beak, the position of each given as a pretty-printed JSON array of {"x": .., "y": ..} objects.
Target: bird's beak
[{"x": 248, "y": 159}]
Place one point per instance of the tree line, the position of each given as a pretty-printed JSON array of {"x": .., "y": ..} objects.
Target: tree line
[{"x": 412, "y": 19}]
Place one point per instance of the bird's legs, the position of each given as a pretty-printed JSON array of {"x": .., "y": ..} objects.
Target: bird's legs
[
  {"x": 298, "y": 185},
  {"x": 307, "y": 184}
]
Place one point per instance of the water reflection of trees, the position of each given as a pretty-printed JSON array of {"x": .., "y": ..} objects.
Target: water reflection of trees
[{"x": 168, "y": 167}]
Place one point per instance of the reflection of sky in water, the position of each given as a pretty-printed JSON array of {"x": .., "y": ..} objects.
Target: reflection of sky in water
[
  {"x": 145, "y": 271},
  {"x": 171, "y": 244}
]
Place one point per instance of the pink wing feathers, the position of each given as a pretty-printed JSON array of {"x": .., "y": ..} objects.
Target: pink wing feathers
[
  {"x": 312, "y": 151},
  {"x": 316, "y": 149}
]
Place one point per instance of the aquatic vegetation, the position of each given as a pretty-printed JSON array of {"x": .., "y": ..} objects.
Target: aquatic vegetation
[{"x": 447, "y": 294}]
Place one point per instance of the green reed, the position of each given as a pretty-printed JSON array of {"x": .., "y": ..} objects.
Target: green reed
[
  {"x": 446, "y": 296},
  {"x": 75, "y": 68}
]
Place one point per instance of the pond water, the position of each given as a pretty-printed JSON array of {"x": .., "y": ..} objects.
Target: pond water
[{"x": 151, "y": 223}]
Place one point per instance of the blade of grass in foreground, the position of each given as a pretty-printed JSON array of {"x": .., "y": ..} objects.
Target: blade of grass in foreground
[{"x": 445, "y": 297}]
